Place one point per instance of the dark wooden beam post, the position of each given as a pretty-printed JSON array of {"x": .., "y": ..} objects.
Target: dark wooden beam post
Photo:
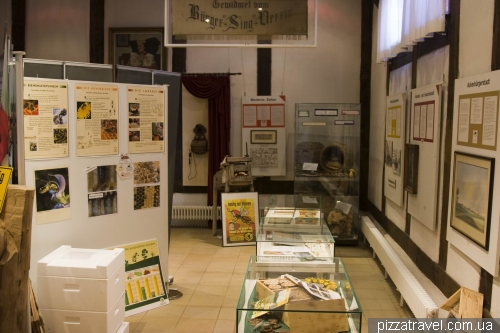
[
  {"x": 364, "y": 98},
  {"x": 96, "y": 32},
  {"x": 18, "y": 32}
]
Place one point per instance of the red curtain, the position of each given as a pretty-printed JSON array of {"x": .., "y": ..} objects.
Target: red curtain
[{"x": 216, "y": 88}]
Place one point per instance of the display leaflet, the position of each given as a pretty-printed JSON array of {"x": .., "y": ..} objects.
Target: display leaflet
[
  {"x": 146, "y": 116},
  {"x": 96, "y": 119},
  {"x": 45, "y": 109}
]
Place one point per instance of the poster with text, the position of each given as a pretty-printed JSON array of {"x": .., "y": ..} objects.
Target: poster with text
[
  {"x": 144, "y": 284},
  {"x": 240, "y": 214},
  {"x": 45, "y": 109},
  {"x": 96, "y": 119},
  {"x": 146, "y": 119},
  {"x": 52, "y": 195}
]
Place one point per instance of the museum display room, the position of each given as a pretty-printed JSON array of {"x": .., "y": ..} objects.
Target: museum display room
[{"x": 238, "y": 166}]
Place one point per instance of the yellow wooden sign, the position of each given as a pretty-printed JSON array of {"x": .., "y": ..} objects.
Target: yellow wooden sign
[{"x": 5, "y": 174}]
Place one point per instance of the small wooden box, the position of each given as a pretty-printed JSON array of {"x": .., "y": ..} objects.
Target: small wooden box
[{"x": 470, "y": 304}]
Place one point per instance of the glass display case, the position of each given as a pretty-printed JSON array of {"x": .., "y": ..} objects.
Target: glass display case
[
  {"x": 295, "y": 298},
  {"x": 291, "y": 229},
  {"x": 327, "y": 145}
]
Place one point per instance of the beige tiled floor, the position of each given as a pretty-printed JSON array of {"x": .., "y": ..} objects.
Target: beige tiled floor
[{"x": 210, "y": 277}]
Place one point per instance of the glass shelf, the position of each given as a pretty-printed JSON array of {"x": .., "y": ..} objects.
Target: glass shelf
[
  {"x": 305, "y": 311},
  {"x": 291, "y": 229}
]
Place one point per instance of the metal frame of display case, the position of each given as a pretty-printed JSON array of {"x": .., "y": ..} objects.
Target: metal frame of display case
[
  {"x": 327, "y": 148},
  {"x": 349, "y": 313}
]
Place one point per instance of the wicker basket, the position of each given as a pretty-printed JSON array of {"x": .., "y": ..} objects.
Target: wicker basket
[
  {"x": 336, "y": 158},
  {"x": 307, "y": 152}
]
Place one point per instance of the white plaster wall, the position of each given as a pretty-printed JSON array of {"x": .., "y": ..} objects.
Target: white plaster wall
[
  {"x": 476, "y": 35},
  {"x": 377, "y": 122},
  {"x": 495, "y": 298},
  {"x": 130, "y": 14},
  {"x": 57, "y": 30},
  {"x": 462, "y": 269},
  {"x": 327, "y": 73},
  {"x": 432, "y": 68}
]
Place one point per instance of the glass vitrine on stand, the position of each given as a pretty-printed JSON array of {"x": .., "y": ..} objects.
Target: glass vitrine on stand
[
  {"x": 297, "y": 298},
  {"x": 327, "y": 146},
  {"x": 291, "y": 230}
]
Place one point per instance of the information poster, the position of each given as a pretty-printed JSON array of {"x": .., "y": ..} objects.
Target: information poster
[
  {"x": 144, "y": 284},
  {"x": 240, "y": 214},
  {"x": 52, "y": 195},
  {"x": 394, "y": 148},
  {"x": 263, "y": 134},
  {"x": 478, "y": 120},
  {"x": 146, "y": 116},
  {"x": 45, "y": 109},
  {"x": 96, "y": 119},
  {"x": 424, "y": 103}
]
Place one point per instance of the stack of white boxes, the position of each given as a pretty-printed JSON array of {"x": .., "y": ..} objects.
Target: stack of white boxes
[{"x": 82, "y": 291}]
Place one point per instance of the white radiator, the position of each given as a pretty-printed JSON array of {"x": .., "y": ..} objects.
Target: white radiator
[
  {"x": 194, "y": 213},
  {"x": 411, "y": 290}
]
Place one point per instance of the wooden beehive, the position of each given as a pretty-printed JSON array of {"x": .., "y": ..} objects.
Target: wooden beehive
[{"x": 465, "y": 303}]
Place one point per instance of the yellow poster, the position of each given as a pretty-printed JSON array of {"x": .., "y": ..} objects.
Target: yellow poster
[
  {"x": 45, "y": 110},
  {"x": 5, "y": 174},
  {"x": 144, "y": 286},
  {"x": 146, "y": 119},
  {"x": 239, "y": 218},
  {"x": 96, "y": 119}
]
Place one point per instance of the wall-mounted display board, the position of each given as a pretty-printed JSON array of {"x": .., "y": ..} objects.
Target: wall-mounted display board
[
  {"x": 264, "y": 134},
  {"x": 473, "y": 217},
  {"x": 425, "y": 124},
  {"x": 394, "y": 148},
  {"x": 113, "y": 199}
]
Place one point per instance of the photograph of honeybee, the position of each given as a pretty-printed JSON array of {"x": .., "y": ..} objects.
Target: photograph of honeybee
[
  {"x": 83, "y": 110},
  {"x": 60, "y": 135},
  {"x": 157, "y": 129},
  {"x": 30, "y": 107},
  {"x": 52, "y": 189},
  {"x": 147, "y": 172},
  {"x": 59, "y": 116},
  {"x": 134, "y": 136},
  {"x": 134, "y": 122},
  {"x": 109, "y": 129},
  {"x": 133, "y": 109}
]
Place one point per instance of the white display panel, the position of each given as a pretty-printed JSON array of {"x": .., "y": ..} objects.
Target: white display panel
[
  {"x": 426, "y": 134},
  {"x": 394, "y": 148},
  {"x": 123, "y": 227},
  {"x": 485, "y": 86},
  {"x": 263, "y": 134}
]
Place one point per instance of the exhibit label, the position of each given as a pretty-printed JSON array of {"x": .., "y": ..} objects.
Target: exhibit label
[
  {"x": 96, "y": 119},
  {"x": 45, "y": 109}
]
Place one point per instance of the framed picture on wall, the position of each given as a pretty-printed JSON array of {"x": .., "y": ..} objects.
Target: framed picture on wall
[
  {"x": 137, "y": 47},
  {"x": 411, "y": 168},
  {"x": 263, "y": 136},
  {"x": 472, "y": 193},
  {"x": 240, "y": 215}
]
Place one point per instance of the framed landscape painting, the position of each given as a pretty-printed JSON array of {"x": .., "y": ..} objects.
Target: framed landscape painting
[{"x": 471, "y": 197}]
